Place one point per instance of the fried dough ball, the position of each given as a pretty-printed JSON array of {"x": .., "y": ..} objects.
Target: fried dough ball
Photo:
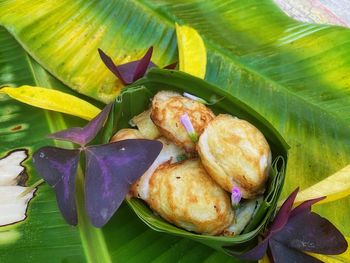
[
  {"x": 235, "y": 153},
  {"x": 169, "y": 153},
  {"x": 185, "y": 195},
  {"x": 166, "y": 111},
  {"x": 145, "y": 125},
  {"x": 125, "y": 134}
]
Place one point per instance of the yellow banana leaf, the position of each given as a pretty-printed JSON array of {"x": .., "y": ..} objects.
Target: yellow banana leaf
[
  {"x": 50, "y": 99},
  {"x": 334, "y": 187},
  {"x": 192, "y": 52}
]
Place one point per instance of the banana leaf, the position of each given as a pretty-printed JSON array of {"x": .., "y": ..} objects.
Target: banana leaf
[
  {"x": 136, "y": 98},
  {"x": 294, "y": 74}
]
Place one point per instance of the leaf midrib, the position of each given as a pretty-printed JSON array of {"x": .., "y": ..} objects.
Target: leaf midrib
[
  {"x": 225, "y": 53},
  {"x": 165, "y": 16},
  {"x": 93, "y": 241}
]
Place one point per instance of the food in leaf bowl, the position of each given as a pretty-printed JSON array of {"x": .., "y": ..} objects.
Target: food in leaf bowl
[
  {"x": 216, "y": 150},
  {"x": 193, "y": 161}
]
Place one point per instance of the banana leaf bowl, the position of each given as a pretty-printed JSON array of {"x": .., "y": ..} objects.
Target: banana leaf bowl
[{"x": 137, "y": 97}]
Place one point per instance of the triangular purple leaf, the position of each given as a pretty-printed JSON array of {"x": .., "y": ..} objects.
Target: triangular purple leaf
[
  {"x": 279, "y": 222},
  {"x": 311, "y": 232},
  {"x": 283, "y": 214},
  {"x": 58, "y": 167},
  {"x": 298, "y": 230},
  {"x": 283, "y": 254},
  {"x": 171, "y": 66},
  {"x": 257, "y": 252},
  {"x": 83, "y": 136},
  {"x": 127, "y": 70},
  {"x": 131, "y": 71},
  {"x": 110, "y": 170},
  {"x": 305, "y": 206},
  {"x": 143, "y": 64},
  {"x": 111, "y": 66}
]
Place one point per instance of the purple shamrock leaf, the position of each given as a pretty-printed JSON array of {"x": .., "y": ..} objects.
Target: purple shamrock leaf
[
  {"x": 282, "y": 253},
  {"x": 310, "y": 232},
  {"x": 110, "y": 171},
  {"x": 143, "y": 64},
  {"x": 284, "y": 212},
  {"x": 58, "y": 167},
  {"x": 84, "y": 135},
  {"x": 171, "y": 66},
  {"x": 131, "y": 71},
  {"x": 257, "y": 252},
  {"x": 127, "y": 70},
  {"x": 298, "y": 230},
  {"x": 305, "y": 206},
  {"x": 111, "y": 66}
]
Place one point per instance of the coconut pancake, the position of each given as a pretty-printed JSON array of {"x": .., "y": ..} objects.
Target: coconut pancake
[
  {"x": 235, "y": 153},
  {"x": 166, "y": 111}
]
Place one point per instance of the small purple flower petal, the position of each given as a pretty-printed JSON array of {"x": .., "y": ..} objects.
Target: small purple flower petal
[
  {"x": 186, "y": 122},
  {"x": 236, "y": 196},
  {"x": 195, "y": 98}
]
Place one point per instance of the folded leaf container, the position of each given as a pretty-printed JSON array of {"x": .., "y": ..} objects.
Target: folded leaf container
[{"x": 137, "y": 97}]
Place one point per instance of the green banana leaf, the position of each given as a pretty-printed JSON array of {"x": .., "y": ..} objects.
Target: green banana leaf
[{"x": 294, "y": 74}]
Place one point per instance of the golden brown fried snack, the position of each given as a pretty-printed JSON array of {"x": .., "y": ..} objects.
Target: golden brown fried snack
[
  {"x": 235, "y": 153},
  {"x": 185, "y": 195},
  {"x": 125, "y": 134},
  {"x": 145, "y": 125},
  {"x": 166, "y": 111}
]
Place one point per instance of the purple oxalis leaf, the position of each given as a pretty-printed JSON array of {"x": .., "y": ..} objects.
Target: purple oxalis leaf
[
  {"x": 279, "y": 222},
  {"x": 295, "y": 231},
  {"x": 284, "y": 212},
  {"x": 310, "y": 232},
  {"x": 305, "y": 206},
  {"x": 283, "y": 254},
  {"x": 131, "y": 71},
  {"x": 127, "y": 70},
  {"x": 134, "y": 70},
  {"x": 171, "y": 66},
  {"x": 110, "y": 170},
  {"x": 257, "y": 252},
  {"x": 58, "y": 167},
  {"x": 84, "y": 135},
  {"x": 143, "y": 64},
  {"x": 111, "y": 66}
]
